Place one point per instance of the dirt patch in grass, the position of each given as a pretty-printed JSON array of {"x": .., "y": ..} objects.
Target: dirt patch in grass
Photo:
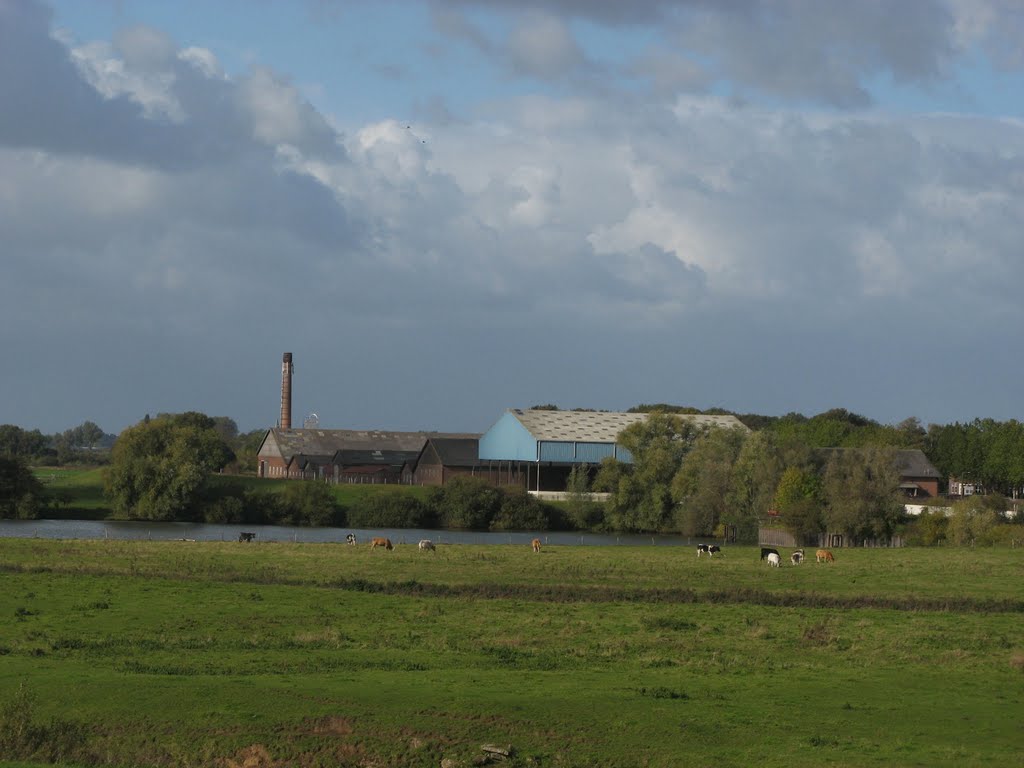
[
  {"x": 332, "y": 726},
  {"x": 253, "y": 756}
]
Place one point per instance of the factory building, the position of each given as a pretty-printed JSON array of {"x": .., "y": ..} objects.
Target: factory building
[{"x": 538, "y": 448}]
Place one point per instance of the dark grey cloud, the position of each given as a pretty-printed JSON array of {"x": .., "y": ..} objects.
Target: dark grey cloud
[
  {"x": 828, "y": 52},
  {"x": 588, "y": 251}
]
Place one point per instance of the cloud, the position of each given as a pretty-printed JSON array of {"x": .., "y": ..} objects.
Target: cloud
[
  {"x": 542, "y": 46},
  {"x": 831, "y": 53},
  {"x": 600, "y": 247}
]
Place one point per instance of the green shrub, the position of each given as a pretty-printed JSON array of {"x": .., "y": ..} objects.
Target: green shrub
[
  {"x": 308, "y": 502},
  {"x": 391, "y": 510},
  {"x": 929, "y": 529},
  {"x": 519, "y": 511},
  {"x": 225, "y": 510},
  {"x": 22, "y": 737},
  {"x": 466, "y": 502}
]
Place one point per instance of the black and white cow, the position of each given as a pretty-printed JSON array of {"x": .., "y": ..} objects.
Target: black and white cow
[
  {"x": 246, "y": 536},
  {"x": 702, "y": 549},
  {"x": 350, "y": 539},
  {"x": 797, "y": 557},
  {"x": 713, "y": 550},
  {"x": 765, "y": 551}
]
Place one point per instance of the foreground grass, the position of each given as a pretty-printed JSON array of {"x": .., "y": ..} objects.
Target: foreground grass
[{"x": 175, "y": 653}]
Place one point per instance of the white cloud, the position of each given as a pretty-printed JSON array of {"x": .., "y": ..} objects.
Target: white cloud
[{"x": 146, "y": 196}]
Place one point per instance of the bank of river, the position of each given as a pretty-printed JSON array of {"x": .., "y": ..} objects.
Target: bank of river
[{"x": 110, "y": 529}]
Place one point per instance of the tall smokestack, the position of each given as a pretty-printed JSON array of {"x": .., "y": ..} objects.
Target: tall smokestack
[{"x": 286, "y": 391}]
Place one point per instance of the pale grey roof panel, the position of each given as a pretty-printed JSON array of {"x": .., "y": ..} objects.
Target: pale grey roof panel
[{"x": 598, "y": 426}]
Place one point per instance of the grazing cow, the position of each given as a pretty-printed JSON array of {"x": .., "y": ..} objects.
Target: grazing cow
[
  {"x": 350, "y": 539},
  {"x": 765, "y": 551},
  {"x": 378, "y": 541},
  {"x": 774, "y": 560},
  {"x": 246, "y": 536},
  {"x": 713, "y": 549},
  {"x": 701, "y": 549},
  {"x": 824, "y": 556},
  {"x": 797, "y": 557},
  {"x": 536, "y": 545},
  {"x": 426, "y": 544}
]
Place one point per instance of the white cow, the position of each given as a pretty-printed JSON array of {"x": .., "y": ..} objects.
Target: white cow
[
  {"x": 774, "y": 560},
  {"x": 426, "y": 544}
]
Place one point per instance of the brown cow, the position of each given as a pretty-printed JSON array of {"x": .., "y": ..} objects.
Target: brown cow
[
  {"x": 536, "y": 545},
  {"x": 824, "y": 556},
  {"x": 378, "y": 541}
]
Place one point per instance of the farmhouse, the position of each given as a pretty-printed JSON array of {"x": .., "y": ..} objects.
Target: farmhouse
[
  {"x": 919, "y": 479},
  {"x": 538, "y": 448}
]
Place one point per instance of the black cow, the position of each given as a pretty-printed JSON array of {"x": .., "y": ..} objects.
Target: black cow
[{"x": 765, "y": 551}]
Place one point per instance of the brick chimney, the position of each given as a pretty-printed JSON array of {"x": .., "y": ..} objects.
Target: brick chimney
[{"x": 286, "y": 391}]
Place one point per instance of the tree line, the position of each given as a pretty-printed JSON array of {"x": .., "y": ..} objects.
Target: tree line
[
  {"x": 729, "y": 482},
  {"x": 165, "y": 469},
  {"x": 699, "y": 482}
]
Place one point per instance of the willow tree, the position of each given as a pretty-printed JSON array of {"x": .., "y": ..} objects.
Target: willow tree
[
  {"x": 701, "y": 486},
  {"x": 641, "y": 495},
  {"x": 160, "y": 468},
  {"x": 862, "y": 492}
]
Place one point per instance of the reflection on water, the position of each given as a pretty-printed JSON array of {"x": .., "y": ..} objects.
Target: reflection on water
[{"x": 105, "y": 529}]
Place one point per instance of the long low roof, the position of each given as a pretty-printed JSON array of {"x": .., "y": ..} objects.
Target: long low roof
[
  {"x": 598, "y": 426},
  {"x": 286, "y": 443}
]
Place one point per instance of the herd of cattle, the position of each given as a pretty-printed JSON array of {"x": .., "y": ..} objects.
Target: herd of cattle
[
  {"x": 775, "y": 559},
  {"x": 767, "y": 553},
  {"x": 772, "y": 555}
]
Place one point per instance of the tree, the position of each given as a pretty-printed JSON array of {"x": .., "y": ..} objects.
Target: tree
[
  {"x": 15, "y": 441},
  {"x": 798, "y": 500},
  {"x": 641, "y": 499},
  {"x": 160, "y": 468},
  {"x": 702, "y": 485},
  {"x": 226, "y": 428},
  {"x": 308, "y": 502},
  {"x": 466, "y": 502},
  {"x": 583, "y": 512},
  {"x": 972, "y": 522},
  {"x": 21, "y": 494},
  {"x": 519, "y": 511},
  {"x": 930, "y": 527},
  {"x": 755, "y": 476},
  {"x": 862, "y": 495}
]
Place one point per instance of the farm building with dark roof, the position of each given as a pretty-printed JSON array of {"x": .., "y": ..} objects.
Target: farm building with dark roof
[{"x": 335, "y": 454}]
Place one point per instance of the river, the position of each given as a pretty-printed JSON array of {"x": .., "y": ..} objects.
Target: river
[{"x": 109, "y": 529}]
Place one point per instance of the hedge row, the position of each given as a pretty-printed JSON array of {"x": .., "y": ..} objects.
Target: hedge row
[{"x": 465, "y": 503}]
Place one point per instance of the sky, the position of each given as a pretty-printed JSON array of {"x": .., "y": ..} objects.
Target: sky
[{"x": 448, "y": 208}]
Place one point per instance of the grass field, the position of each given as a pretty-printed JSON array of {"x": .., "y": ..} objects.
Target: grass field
[{"x": 196, "y": 654}]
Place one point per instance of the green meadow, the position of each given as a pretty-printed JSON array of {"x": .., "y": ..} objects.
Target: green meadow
[{"x": 271, "y": 655}]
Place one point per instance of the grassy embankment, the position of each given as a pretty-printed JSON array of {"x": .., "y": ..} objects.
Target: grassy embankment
[
  {"x": 176, "y": 654},
  {"x": 79, "y": 491}
]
